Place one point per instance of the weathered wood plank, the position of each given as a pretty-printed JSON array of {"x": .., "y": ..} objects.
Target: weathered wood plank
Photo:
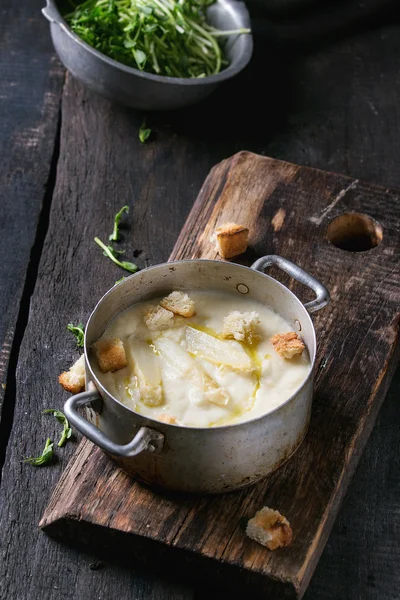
[
  {"x": 358, "y": 341},
  {"x": 108, "y": 169},
  {"x": 367, "y": 521},
  {"x": 30, "y": 92},
  {"x": 316, "y": 121}
]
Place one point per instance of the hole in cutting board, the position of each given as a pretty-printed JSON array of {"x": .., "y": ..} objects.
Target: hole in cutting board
[{"x": 354, "y": 232}]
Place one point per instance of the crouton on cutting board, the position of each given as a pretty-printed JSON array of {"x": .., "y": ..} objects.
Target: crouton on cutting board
[
  {"x": 231, "y": 239},
  {"x": 270, "y": 529}
]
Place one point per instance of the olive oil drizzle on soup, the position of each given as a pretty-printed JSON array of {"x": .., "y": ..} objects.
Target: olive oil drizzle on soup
[{"x": 183, "y": 372}]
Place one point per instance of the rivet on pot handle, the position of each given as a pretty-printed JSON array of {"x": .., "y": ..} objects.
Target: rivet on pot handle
[
  {"x": 322, "y": 294},
  {"x": 145, "y": 439}
]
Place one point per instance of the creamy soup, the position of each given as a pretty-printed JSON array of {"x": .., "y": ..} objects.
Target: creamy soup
[{"x": 188, "y": 374}]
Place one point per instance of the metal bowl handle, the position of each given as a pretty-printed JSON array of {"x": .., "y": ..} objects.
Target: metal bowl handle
[
  {"x": 50, "y": 12},
  {"x": 145, "y": 439},
  {"x": 322, "y": 294}
]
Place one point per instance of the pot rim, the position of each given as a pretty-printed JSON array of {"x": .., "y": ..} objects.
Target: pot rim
[
  {"x": 227, "y": 73},
  {"x": 309, "y": 377}
]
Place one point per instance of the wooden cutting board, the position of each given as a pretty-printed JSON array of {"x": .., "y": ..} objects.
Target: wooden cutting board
[{"x": 291, "y": 211}]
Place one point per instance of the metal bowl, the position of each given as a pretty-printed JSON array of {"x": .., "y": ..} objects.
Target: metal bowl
[{"x": 138, "y": 89}]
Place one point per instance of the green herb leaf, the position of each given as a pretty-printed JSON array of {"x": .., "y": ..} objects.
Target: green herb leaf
[
  {"x": 119, "y": 280},
  {"x": 114, "y": 252},
  {"x": 144, "y": 133},
  {"x": 114, "y": 237},
  {"x": 61, "y": 418},
  {"x": 78, "y": 332},
  {"x": 128, "y": 266},
  {"x": 44, "y": 458},
  {"x": 129, "y": 44},
  {"x": 140, "y": 57},
  {"x": 165, "y": 37}
]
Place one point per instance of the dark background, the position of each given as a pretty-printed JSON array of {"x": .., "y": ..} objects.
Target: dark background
[{"x": 322, "y": 90}]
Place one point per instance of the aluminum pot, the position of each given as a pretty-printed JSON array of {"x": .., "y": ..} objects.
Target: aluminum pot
[{"x": 203, "y": 460}]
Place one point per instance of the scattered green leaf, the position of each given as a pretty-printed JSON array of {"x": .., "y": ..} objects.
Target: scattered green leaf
[
  {"x": 44, "y": 458},
  {"x": 144, "y": 133},
  {"x": 128, "y": 266},
  {"x": 78, "y": 332},
  {"x": 61, "y": 418},
  {"x": 114, "y": 252},
  {"x": 114, "y": 237},
  {"x": 119, "y": 280}
]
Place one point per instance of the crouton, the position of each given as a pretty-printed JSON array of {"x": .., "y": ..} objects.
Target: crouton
[
  {"x": 288, "y": 344},
  {"x": 270, "y": 529},
  {"x": 241, "y": 326},
  {"x": 74, "y": 380},
  {"x": 150, "y": 395},
  {"x": 231, "y": 239},
  {"x": 217, "y": 395},
  {"x": 110, "y": 354},
  {"x": 179, "y": 303},
  {"x": 168, "y": 419},
  {"x": 157, "y": 318}
]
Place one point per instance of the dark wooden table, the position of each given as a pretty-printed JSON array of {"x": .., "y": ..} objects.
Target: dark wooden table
[{"x": 322, "y": 92}]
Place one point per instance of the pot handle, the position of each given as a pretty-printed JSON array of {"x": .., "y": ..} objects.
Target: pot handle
[
  {"x": 146, "y": 439},
  {"x": 322, "y": 294}
]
